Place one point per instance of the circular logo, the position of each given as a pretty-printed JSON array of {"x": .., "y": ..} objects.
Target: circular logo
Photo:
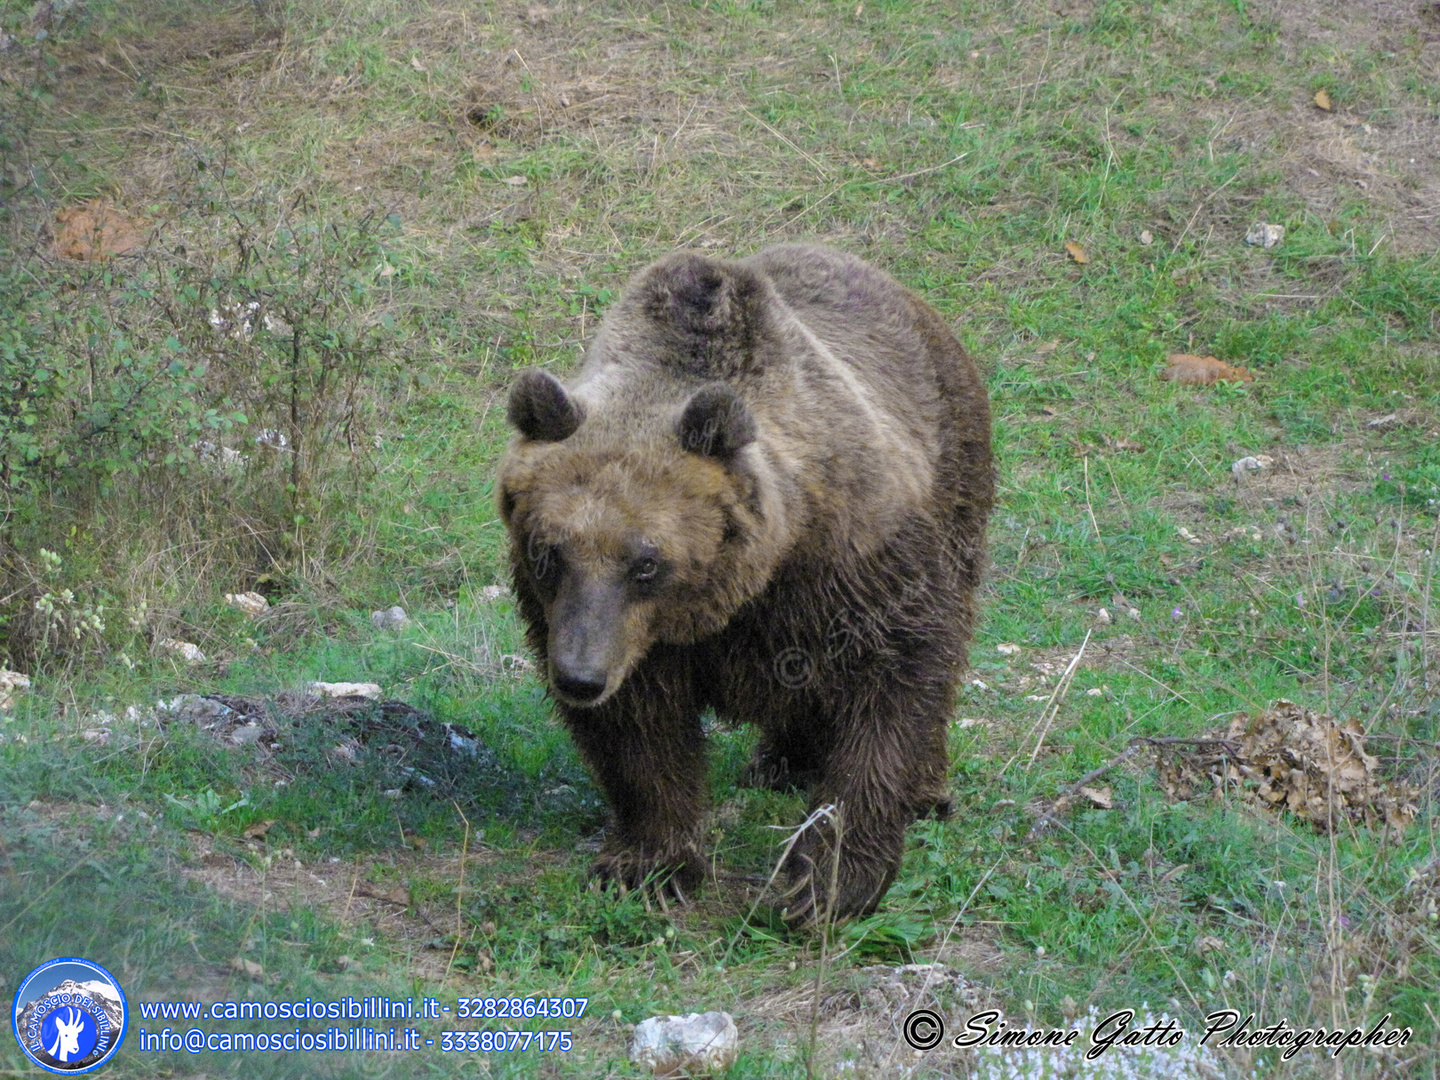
[
  {"x": 794, "y": 668},
  {"x": 923, "y": 1029},
  {"x": 69, "y": 1015}
]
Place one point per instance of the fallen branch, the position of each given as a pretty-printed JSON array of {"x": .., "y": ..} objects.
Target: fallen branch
[{"x": 1066, "y": 797}]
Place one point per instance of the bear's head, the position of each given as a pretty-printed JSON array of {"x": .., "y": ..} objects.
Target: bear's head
[
  {"x": 629, "y": 532},
  {"x": 639, "y": 504}
]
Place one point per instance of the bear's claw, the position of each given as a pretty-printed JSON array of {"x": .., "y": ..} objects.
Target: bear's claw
[{"x": 664, "y": 879}]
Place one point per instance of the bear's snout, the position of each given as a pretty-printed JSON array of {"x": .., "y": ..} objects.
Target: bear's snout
[{"x": 585, "y": 632}]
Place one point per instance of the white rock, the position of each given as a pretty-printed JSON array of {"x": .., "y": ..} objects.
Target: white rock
[
  {"x": 194, "y": 709},
  {"x": 219, "y": 455},
  {"x": 345, "y": 689},
  {"x": 1265, "y": 235},
  {"x": 246, "y": 734},
  {"x": 694, "y": 1044},
  {"x": 1007, "y": 649},
  {"x": 251, "y": 603},
  {"x": 516, "y": 665},
  {"x": 187, "y": 651},
  {"x": 11, "y": 682},
  {"x": 1248, "y": 464},
  {"x": 1102, "y": 617},
  {"x": 392, "y": 618}
]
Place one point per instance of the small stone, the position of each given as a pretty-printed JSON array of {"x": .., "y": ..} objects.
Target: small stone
[
  {"x": 694, "y": 1044},
  {"x": 194, "y": 709},
  {"x": 1250, "y": 464},
  {"x": 246, "y": 734},
  {"x": 1264, "y": 235},
  {"x": 251, "y": 603},
  {"x": 345, "y": 689},
  {"x": 1007, "y": 649},
  {"x": 186, "y": 650},
  {"x": 1102, "y": 617},
  {"x": 11, "y": 683},
  {"x": 514, "y": 664},
  {"x": 392, "y": 618},
  {"x": 1147, "y": 237}
]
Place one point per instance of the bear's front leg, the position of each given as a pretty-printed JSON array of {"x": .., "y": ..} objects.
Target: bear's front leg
[
  {"x": 886, "y": 766},
  {"x": 649, "y": 758},
  {"x": 843, "y": 861}
]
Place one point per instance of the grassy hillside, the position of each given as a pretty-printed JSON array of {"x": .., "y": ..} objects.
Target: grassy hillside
[{"x": 267, "y": 271}]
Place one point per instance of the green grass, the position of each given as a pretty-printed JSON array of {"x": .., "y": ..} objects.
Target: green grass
[{"x": 358, "y": 167}]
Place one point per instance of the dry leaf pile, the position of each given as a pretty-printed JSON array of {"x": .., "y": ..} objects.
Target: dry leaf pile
[
  {"x": 96, "y": 230},
  {"x": 1290, "y": 758},
  {"x": 1202, "y": 370}
]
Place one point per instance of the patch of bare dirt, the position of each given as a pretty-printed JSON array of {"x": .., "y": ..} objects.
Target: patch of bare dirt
[
  {"x": 858, "y": 1013},
  {"x": 1037, "y": 671},
  {"x": 1296, "y": 476},
  {"x": 369, "y": 897},
  {"x": 1389, "y": 158},
  {"x": 1393, "y": 24},
  {"x": 95, "y": 76}
]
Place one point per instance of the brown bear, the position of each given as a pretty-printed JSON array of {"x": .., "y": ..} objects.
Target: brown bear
[{"x": 764, "y": 493}]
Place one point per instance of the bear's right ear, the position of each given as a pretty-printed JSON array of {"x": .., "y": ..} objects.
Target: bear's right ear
[
  {"x": 715, "y": 423},
  {"x": 540, "y": 408}
]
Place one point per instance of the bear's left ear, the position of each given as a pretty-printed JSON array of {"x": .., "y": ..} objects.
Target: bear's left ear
[
  {"x": 541, "y": 409},
  {"x": 715, "y": 423}
]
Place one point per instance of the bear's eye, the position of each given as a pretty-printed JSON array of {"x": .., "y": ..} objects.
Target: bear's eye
[{"x": 645, "y": 569}]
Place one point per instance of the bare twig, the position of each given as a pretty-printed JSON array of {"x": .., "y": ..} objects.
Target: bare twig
[
  {"x": 824, "y": 173},
  {"x": 1049, "y": 817},
  {"x": 1200, "y": 206},
  {"x": 1052, "y": 707},
  {"x": 460, "y": 890}
]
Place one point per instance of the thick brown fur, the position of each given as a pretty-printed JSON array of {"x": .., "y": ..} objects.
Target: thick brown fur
[{"x": 765, "y": 492}]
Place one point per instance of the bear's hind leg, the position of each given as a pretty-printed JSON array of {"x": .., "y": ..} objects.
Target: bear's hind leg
[{"x": 785, "y": 760}]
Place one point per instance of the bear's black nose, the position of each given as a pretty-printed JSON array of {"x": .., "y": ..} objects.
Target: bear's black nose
[{"x": 584, "y": 688}]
